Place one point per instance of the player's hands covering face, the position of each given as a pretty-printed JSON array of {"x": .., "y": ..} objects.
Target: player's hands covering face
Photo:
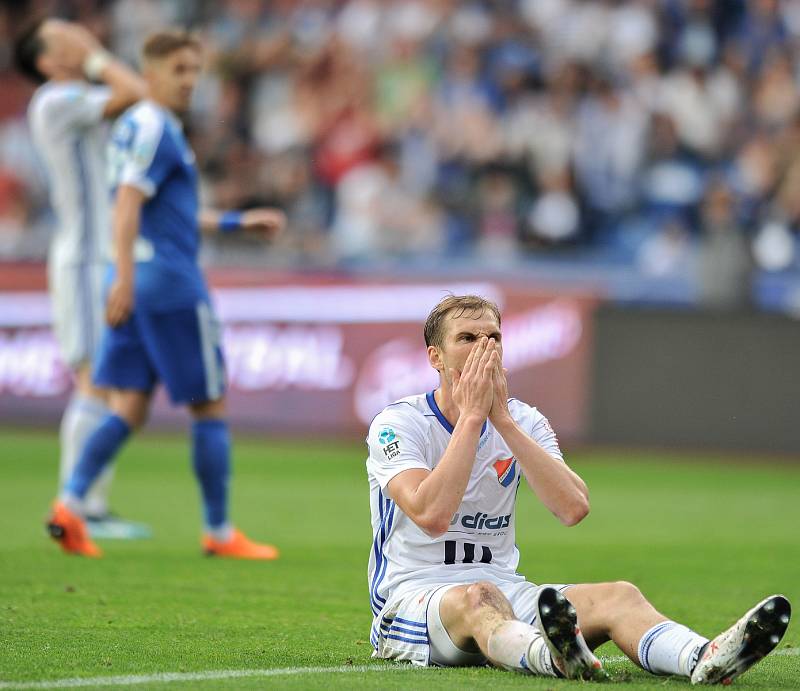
[
  {"x": 499, "y": 409},
  {"x": 68, "y": 43},
  {"x": 473, "y": 388}
]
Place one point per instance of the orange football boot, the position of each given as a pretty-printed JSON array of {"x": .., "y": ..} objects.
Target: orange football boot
[
  {"x": 69, "y": 530},
  {"x": 238, "y": 547}
]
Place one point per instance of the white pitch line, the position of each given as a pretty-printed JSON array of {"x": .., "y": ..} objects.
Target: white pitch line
[
  {"x": 783, "y": 652},
  {"x": 169, "y": 677}
]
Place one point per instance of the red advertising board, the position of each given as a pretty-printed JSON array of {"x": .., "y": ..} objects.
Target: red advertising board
[{"x": 322, "y": 357}]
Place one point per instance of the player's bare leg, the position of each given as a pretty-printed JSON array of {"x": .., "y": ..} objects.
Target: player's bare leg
[
  {"x": 478, "y": 617},
  {"x": 619, "y": 612},
  {"x": 470, "y": 613},
  {"x": 614, "y": 611},
  {"x": 211, "y": 460},
  {"x": 131, "y": 405}
]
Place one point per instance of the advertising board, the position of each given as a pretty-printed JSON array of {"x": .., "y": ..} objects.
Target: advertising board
[{"x": 322, "y": 358}]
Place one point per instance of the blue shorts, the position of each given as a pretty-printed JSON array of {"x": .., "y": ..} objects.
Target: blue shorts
[{"x": 181, "y": 348}]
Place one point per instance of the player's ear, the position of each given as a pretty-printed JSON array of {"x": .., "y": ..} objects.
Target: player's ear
[
  {"x": 435, "y": 358},
  {"x": 46, "y": 63}
]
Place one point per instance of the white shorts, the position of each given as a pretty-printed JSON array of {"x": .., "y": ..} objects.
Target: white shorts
[
  {"x": 409, "y": 627},
  {"x": 76, "y": 300}
]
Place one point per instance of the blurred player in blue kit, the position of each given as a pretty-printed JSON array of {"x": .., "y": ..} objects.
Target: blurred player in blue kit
[
  {"x": 82, "y": 86},
  {"x": 444, "y": 471},
  {"x": 161, "y": 326}
]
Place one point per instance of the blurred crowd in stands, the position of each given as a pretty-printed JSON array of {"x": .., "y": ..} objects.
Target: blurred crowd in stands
[{"x": 648, "y": 132}]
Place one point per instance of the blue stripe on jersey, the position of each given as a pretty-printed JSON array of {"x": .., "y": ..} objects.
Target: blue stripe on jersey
[
  {"x": 417, "y": 641},
  {"x": 440, "y": 416},
  {"x": 377, "y": 546},
  {"x": 389, "y": 523},
  {"x": 85, "y": 201},
  {"x": 386, "y": 513},
  {"x": 379, "y": 601},
  {"x": 401, "y": 629},
  {"x": 84, "y": 277},
  {"x": 406, "y": 621},
  {"x": 390, "y": 629}
]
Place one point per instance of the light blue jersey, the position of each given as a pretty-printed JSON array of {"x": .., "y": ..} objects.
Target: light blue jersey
[{"x": 148, "y": 150}]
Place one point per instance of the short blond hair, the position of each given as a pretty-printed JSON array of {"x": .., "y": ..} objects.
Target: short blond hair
[
  {"x": 456, "y": 306},
  {"x": 163, "y": 43}
]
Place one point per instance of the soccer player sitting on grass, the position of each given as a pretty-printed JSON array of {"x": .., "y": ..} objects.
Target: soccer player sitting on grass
[
  {"x": 444, "y": 469},
  {"x": 161, "y": 325}
]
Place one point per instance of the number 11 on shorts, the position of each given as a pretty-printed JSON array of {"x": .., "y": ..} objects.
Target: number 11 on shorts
[{"x": 469, "y": 553}]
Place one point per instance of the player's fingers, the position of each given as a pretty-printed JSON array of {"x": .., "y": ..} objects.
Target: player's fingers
[
  {"x": 483, "y": 345},
  {"x": 116, "y": 312},
  {"x": 470, "y": 359},
  {"x": 486, "y": 355},
  {"x": 490, "y": 364},
  {"x": 497, "y": 369},
  {"x": 277, "y": 222}
]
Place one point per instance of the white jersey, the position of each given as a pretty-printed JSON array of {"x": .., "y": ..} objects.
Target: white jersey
[
  {"x": 480, "y": 544},
  {"x": 66, "y": 121}
]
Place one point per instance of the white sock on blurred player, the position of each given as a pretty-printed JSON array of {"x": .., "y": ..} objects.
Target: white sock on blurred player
[
  {"x": 670, "y": 648},
  {"x": 81, "y": 417},
  {"x": 519, "y": 647}
]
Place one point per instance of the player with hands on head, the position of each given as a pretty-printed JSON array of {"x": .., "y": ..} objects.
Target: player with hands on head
[
  {"x": 161, "y": 325},
  {"x": 81, "y": 86},
  {"x": 444, "y": 469}
]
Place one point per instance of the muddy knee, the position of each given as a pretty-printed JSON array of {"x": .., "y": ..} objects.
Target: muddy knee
[{"x": 482, "y": 595}]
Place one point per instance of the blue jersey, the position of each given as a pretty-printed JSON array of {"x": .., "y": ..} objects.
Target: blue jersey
[{"x": 148, "y": 151}]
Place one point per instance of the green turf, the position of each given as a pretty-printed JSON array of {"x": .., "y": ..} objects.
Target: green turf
[{"x": 703, "y": 539}]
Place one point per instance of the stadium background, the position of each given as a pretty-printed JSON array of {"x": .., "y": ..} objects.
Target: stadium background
[
  {"x": 623, "y": 177},
  {"x": 557, "y": 155}
]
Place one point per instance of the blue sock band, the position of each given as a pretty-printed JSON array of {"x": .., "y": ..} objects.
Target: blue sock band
[
  {"x": 211, "y": 452},
  {"x": 99, "y": 449}
]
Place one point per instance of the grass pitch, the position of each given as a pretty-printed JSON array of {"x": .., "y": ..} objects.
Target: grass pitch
[{"x": 704, "y": 539}]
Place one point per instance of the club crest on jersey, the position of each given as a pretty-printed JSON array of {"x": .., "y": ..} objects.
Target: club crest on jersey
[{"x": 506, "y": 470}]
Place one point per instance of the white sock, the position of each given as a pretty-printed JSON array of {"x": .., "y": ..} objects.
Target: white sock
[
  {"x": 81, "y": 417},
  {"x": 222, "y": 533},
  {"x": 517, "y": 646},
  {"x": 72, "y": 503},
  {"x": 670, "y": 648}
]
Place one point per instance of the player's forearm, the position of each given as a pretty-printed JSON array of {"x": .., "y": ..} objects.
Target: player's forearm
[
  {"x": 127, "y": 87},
  {"x": 123, "y": 253},
  {"x": 216, "y": 221},
  {"x": 559, "y": 488},
  {"x": 440, "y": 494},
  {"x": 125, "y": 230},
  {"x": 210, "y": 220}
]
